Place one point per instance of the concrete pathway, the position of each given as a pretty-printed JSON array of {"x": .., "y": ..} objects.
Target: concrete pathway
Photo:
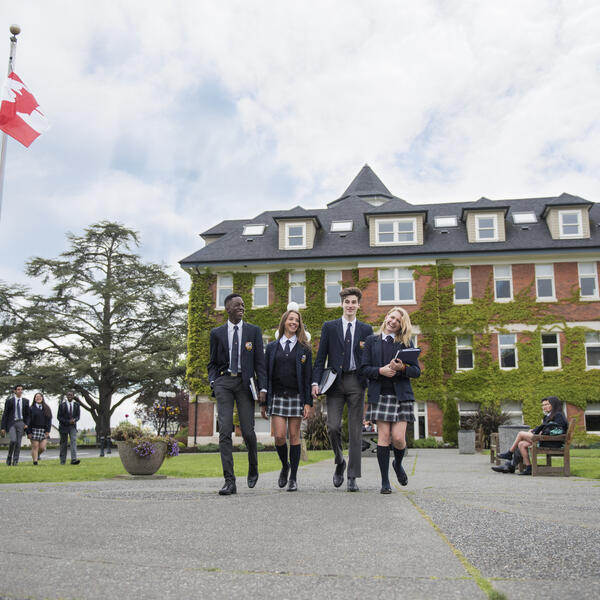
[{"x": 458, "y": 530}]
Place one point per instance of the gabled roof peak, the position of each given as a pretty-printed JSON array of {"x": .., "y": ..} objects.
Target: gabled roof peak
[{"x": 366, "y": 183}]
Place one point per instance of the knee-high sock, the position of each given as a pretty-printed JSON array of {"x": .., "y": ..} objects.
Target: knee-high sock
[
  {"x": 383, "y": 458},
  {"x": 282, "y": 452},
  {"x": 294, "y": 460},
  {"x": 399, "y": 454}
]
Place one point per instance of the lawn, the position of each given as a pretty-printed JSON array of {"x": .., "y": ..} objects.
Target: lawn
[{"x": 186, "y": 465}]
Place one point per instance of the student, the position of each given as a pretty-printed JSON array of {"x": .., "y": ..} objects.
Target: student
[
  {"x": 289, "y": 400},
  {"x": 39, "y": 426},
  {"x": 553, "y": 423},
  {"x": 390, "y": 394},
  {"x": 69, "y": 413},
  {"x": 15, "y": 420},
  {"x": 341, "y": 345}
]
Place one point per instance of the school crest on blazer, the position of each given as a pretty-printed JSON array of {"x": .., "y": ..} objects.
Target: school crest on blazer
[
  {"x": 362, "y": 344},
  {"x": 303, "y": 358},
  {"x": 249, "y": 346}
]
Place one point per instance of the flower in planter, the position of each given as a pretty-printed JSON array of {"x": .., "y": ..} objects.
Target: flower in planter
[
  {"x": 172, "y": 448},
  {"x": 144, "y": 448}
]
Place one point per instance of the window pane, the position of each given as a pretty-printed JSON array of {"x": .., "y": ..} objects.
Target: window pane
[
  {"x": 333, "y": 277},
  {"x": 333, "y": 294},
  {"x": 405, "y": 226},
  {"x": 502, "y": 289},
  {"x": 550, "y": 357},
  {"x": 464, "y": 340},
  {"x": 592, "y": 337},
  {"x": 462, "y": 273},
  {"x": 570, "y": 218},
  {"x": 507, "y": 339},
  {"x": 502, "y": 272},
  {"x": 297, "y": 277},
  {"x": 461, "y": 290},
  {"x": 295, "y": 241},
  {"x": 587, "y": 269},
  {"x": 386, "y": 237},
  {"x": 544, "y": 270},
  {"x": 261, "y": 280},
  {"x": 386, "y": 274},
  {"x": 405, "y": 274},
  {"x": 405, "y": 290},
  {"x": 588, "y": 286},
  {"x": 445, "y": 221},
  {"x": 295, "y": 230},
  {"x": 406, "y": 237},
  {"x": 297, "y": 294},
  {"x": 386, "y": 227},
  {"x": 386, "y": 292},
  {"x": 570, "y": 229},
  {"x": 592, "y": 422},
  {"x": 508, "y": 357},
  {"x": 223, "y": 293},
  {"x": 261, "y": 296},
  {"x": 486, "y": 223},
  {"x": 465, "y": 359},
  {"x": 341, "y": 226},
  {"x": 486, "y": 233},
  {"x": 226, "y": 281},
  {"x": 593, "y": 356},
  {"x": 544, "y": 288},
  {"x": 549, "y": 338}
]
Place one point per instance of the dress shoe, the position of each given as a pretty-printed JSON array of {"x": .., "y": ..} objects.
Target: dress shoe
[
  {"x": 75, "y": 462},
  {"x": 228, "y": 489},
  {"x": 352, "y": 487},
  {"x": 338, "y": 476},
  {"x": 385, "y": 489},
  {"x": 292, "y": 486},
  {"x": 400, "y": 472},
  {"x": 283, "y": 476},
  {"x": 35, "y": 462},
  {"x": 506, "y": 455},
  {"x": 504, "y": 468},
  {"x": 252, "y": 479},
  {"x": 8, "y": 461},
  {"x": 526, "y": 471}
]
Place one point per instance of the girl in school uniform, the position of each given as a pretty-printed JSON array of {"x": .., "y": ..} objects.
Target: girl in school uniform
[
  {"x": 39, "y": 427},
  {"x": 289, "y": 400},
  {"x": 390, "y": 394}
]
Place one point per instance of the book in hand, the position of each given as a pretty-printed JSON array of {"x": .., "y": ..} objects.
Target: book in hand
[
  {"x": 408, "y": 355},
  {"x": 253, "y": 389},
  {"x": 327, "y": 380}
]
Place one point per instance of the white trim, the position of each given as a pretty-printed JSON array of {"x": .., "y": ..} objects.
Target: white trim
[
  {"x": 326, "y": 284},
  {"x": 500, "y": 346},
  {"x": 396, "y": 280},
  {"x": 395, "y": 233},
  {"x": 544, "y": 278},
  {"x": 553, "y": 345},
  {"x": 220, "y": 286},
  {"x": 593, "y": 345},
  {"x": 561, "y": 224},
  {"x": 594, "y": 266},
  {"x": 504, "y": 278},
  {"x": 463, "y": 347},
  {"x": 494, "y": 218},
  {"x": 456, "y": 280},
  {"x": 287, "y": 245},
  {"x": 290, "y": 282},
  {"x": 262, "y": 286}
]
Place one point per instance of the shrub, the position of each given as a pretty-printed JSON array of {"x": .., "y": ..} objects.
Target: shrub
[
  {"x": 489, "y": 418},
  {"x": 450, "y": 422},
  {"x": 315, "y": 433},
  {"x": 429, "y": 442},
  {"x": 581, "y": 439}
]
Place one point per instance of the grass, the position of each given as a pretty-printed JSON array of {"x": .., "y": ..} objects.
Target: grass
[{"x": 186, "y": 465}]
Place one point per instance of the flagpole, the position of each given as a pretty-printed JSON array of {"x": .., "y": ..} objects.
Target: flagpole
[{"x": 15, "y": 31}]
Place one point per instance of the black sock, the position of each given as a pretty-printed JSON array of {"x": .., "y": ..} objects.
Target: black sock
[
  {"x": 399, "y": 455},
  {"x": 282, "y": 452},
  {"x": 383, "y": 458},
  {"x": 294, "y": 460}
]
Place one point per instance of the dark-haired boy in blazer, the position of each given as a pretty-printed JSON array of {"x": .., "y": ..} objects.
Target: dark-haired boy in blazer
[{"x": 15, "y": 420}]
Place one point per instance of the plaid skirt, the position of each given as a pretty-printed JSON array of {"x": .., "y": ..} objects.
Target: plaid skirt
[
  {"x": 390, "y": 409},
  {"x": 38, "y": 434},
  {"x": 290, "y": 406}
]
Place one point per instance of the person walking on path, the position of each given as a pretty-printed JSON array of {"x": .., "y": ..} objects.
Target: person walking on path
[
  {"x": 39, "y": 426},
  {"x": 69, "y": 413},
  {"x": 289, "y": 400},
  {"x": 237, "y": 361},
  {"x": 341, "y": 345},
  {"x": 390, "y": 394},
  {"x": 15, "y": 420}
]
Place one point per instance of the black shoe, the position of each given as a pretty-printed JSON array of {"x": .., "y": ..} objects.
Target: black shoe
[
  {"x": 385, "y": 489},
  {"x": 504, "y": 468},
  {"x": 506, "y": 455},
  {"x": 8, "y": 461},
  {"x": 228, "y": 489},
  {"x": 283, "y": 476},
  {"x": 75, "y": 462},
  {"x": 401, "y": 473},
  {"x": 35, "y": 462},
  {"x": 352, "y": 487},
  {"x": 62, "y": 463},
  {"x": 526, "y": 471},
  {"x": 338, "y": 476},
  {"x": 292, "y": 486},
  {"x": 252, "y": 479}
]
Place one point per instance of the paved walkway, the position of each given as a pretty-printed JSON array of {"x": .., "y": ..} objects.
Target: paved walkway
[{"x": 457, "y": 531}]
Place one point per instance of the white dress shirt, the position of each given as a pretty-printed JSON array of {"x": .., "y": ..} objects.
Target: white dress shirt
[
  {"x": 352, "y": 332},
  {"x": 230, "y": 333}
]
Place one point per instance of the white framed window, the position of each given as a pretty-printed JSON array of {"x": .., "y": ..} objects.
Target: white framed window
[
  {"x": 450, "y": 221},
  {"x": 295, "y": 236},
  {"x": 224, "y": 288},
  {"x": 592, "y": 417},
  {"x": 592, "y": 350},
  {"x": 396, "y": 231},
  {"x": 333, "y": 287},
  {"x": 461, "y": 278},
  {"x": 340, "y": 226},
  {"x": 507, "y": 350},
  {"x": 464, "y": 352},
  {"x": 544, "y": 283},
  {"x": 503, "y": 289},
  {"x": 486, "y": 228},
  {"x": 396, "y": 286},
  {"x": 550, "y": 351},
  {"x": 253, "y": 229},
  {"x": 260, "y": 291},
  {"x": 525, "y": 217},
  {"x": 570, "y": 223},
  {"x": 298, "y": 288},
  {"x": 588, "y": 281}
]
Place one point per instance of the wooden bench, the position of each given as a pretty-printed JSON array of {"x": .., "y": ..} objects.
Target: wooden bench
[
  {"x": 494, "y": 447},
  {"x": 536, "y": 451}
]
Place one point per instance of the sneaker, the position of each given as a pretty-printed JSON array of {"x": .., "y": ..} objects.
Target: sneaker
[{"x": 506, "y": 455}]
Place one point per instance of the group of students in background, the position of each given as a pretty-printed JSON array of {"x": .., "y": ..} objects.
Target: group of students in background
[{"x": 20, "y": 418}]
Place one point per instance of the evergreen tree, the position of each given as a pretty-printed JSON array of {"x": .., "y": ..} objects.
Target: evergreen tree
[{"x": 450, "y": 422}]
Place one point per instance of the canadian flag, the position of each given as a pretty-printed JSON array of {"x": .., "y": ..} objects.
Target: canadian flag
[{"x": 20, "y": 114}]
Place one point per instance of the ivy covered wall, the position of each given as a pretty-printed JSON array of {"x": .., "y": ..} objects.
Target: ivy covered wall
[{"x": 439, "y": 321}]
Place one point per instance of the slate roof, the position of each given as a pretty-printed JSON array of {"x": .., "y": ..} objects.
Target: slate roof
[{"x": 234, "y": 248}]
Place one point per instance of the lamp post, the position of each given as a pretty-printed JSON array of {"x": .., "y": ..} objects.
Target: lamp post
[{"x": 165, "y": 396}]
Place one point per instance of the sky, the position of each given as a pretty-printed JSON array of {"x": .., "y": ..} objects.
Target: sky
[{"x": 170, "y": 117}]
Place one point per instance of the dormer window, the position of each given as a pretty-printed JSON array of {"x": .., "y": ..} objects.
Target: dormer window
[
  {"x": 486, "y": 228},
  {"x": 253, "y": 230},
  {"x": 570, "y": 223},
  {"x": 295, "y": 236},
  {"x": 396, "y": 231},
  {"x": 341, "y": 226}
]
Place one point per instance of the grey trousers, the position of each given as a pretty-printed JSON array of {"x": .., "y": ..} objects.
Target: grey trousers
[
  {"x": 64, "y": 439},
  {"x": 230, "y": 390},
  {"x": 15, "y": 435},
  {"x": 346, "y": 388}
]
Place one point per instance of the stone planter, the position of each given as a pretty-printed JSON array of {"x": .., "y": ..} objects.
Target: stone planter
[
  {"x": 507, "y": 435},
  {"x": 141, "y": 465},
  {"x": 466, "y": 441}
]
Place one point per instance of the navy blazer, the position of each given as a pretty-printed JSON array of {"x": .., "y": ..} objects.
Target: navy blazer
[
  {"x": 252, "y": 355},
  {"x": 8, "y": 416},
  {"x": 372, "y": 360},
  {"x": 63, "y": 415},
  {"x": 39, "y": 420},
  {"x": 331, "y": 346},
  {"x": 303, "y": 371}
]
